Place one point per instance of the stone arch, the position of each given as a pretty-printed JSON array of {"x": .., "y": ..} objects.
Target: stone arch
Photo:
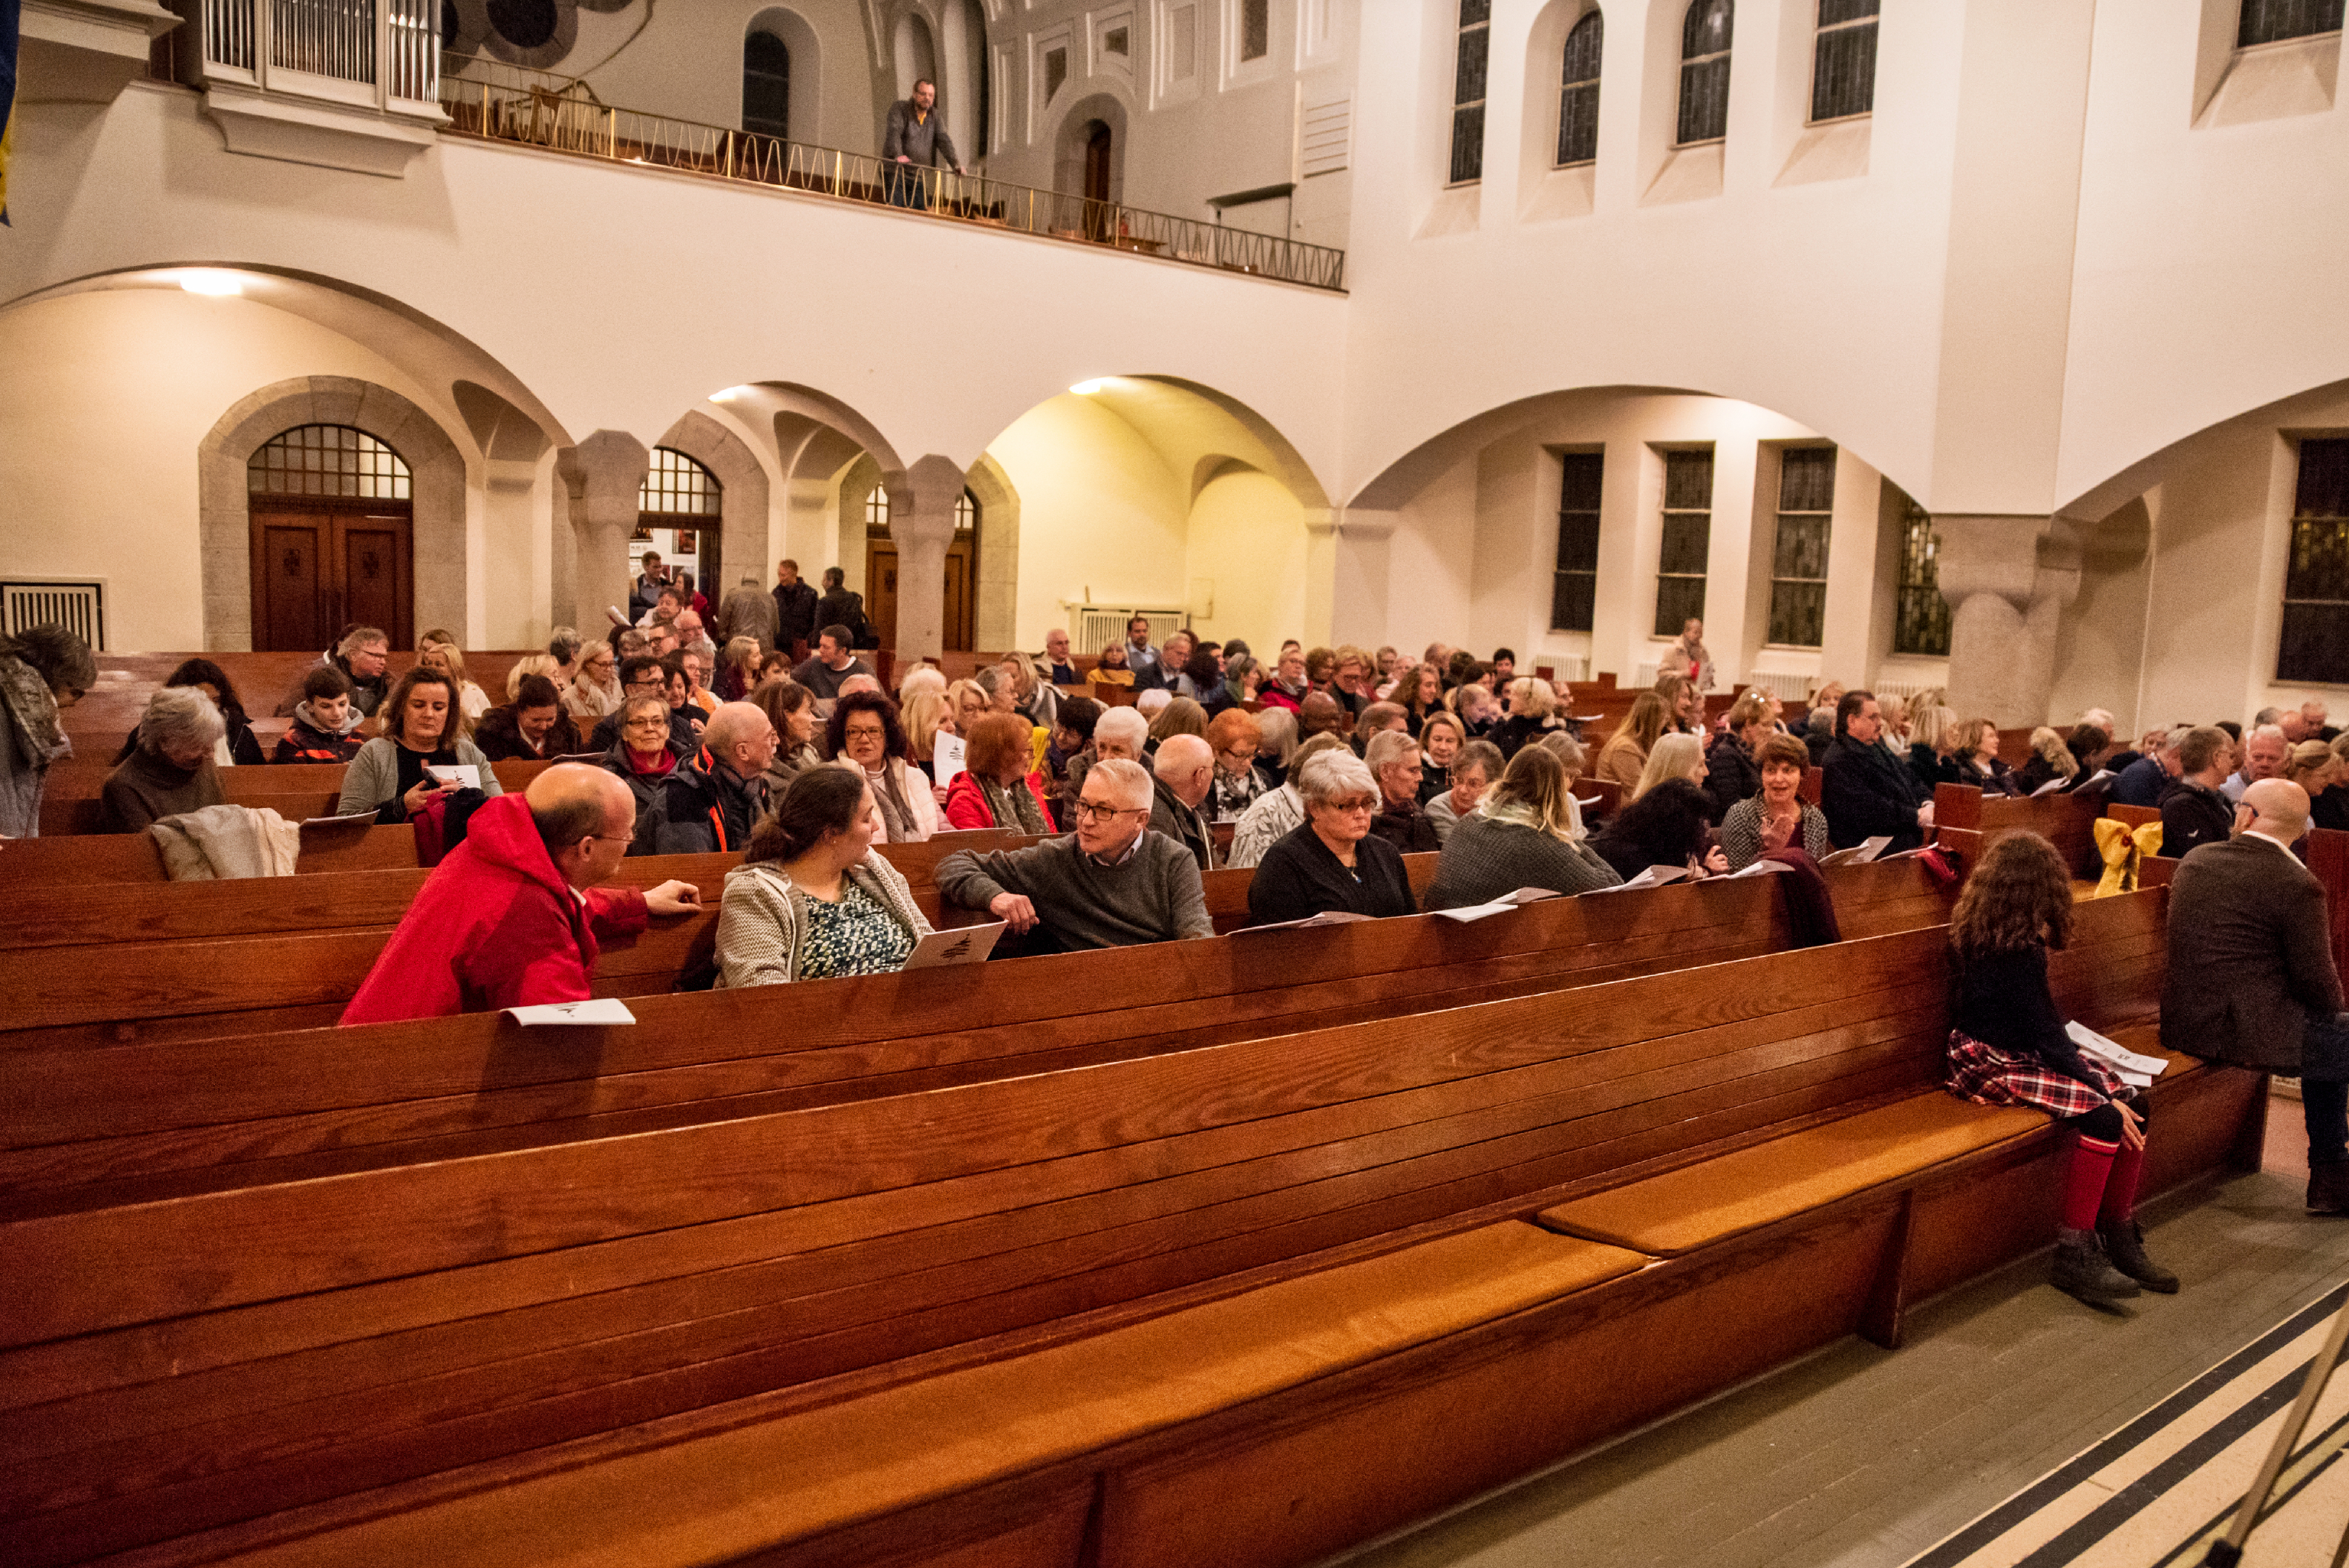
[
  {"x": 1068, "y": 143},
  {"x": 807, "y": 67},
  {"x": 742, "y": 501},
  {"x": 435, "y": 463},
  {"x": 998, "y": 552}
]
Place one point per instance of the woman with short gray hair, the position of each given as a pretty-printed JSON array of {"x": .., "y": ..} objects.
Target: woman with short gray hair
[
  {"x": 1333, "y": 863},
  {"x": 172, "y": 772}
]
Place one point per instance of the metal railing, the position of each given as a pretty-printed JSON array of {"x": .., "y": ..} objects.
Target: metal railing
[
  {"x": 385, "y": 53},
  {"x": 535, "y": 108}
]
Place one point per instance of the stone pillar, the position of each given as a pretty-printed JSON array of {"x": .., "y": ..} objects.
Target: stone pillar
[
  {"x": 1361, "y": 602},
  {"x": 2008, "y": 579},
  {"x": 605, "y": 475},
  {"x": 921, "y": 523},
  {"x": 1320, "y": 577}
]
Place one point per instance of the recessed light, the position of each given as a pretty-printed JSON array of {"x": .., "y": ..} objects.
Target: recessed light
[
  {"x": 1087, "y": 388},
  {"x": 211, "y": 284}
]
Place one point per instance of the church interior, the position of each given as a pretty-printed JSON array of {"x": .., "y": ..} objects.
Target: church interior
[{"x": 1634, "y": 1228}]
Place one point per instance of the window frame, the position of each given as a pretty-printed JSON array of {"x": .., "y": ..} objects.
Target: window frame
[
  {"x": 1679, "y": 613},
  {"x": 685, "y": 467},
  {"x": 1780, "y": 513},
  {"x": 364, "y": 468},
  {"x": 1820, "y": 32},
  {"x": 2243, "y": 13},
  {"x": 1689, "y": 62},
  {"x": 784, "y": 45},
  {"x": 1584, "y": 578},
  {"x": 1483, "y": 29},
  {"x": 1596, "y": 19},
  {"x": 2310, "y": 451}
]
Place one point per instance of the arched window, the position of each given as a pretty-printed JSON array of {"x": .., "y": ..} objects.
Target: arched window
[
  {"x": 328, "y": 460},
  {"x": 1842, "y": 62},
  {"x": 2272, "y": 21},
  {"x": 877, "y": 511},
  {"x": 1704, "y": 72},
  {"x": 1468, "y": 91},
  {"x": 766, "y": 85},
  {"x": 1578, "y": 107},
  {"x": 676, "y": 486},
  {"x": 966, "y": 514}
]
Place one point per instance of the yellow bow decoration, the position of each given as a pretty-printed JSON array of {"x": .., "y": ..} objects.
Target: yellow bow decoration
[{"x": 2121, "y": 847}]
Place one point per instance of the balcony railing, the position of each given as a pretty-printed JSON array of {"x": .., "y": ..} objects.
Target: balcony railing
[{"x": 535, "y": 109}]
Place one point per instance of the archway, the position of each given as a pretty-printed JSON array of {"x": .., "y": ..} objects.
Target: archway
[
  {"x": 913, "y": 51},
  {"x": 331, "y": 537}
]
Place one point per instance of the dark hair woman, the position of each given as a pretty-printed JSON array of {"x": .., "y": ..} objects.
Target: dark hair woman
[
  {"x": 530, "y": 729},
  {"x": 238, "y": 748},
  {"x": 810, "y": 901},
  {"x": 865, "y": 735},
  {"x": 421, "y": 730},
  {"x": 2009, "y": 1046},
  {"x": 790, "y": 709},
  {"x": 1670, "y": 825}
]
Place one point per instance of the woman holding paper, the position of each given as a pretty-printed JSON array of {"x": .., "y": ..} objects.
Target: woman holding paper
[
  {"x": 390, "y": 777},
  {"x": 1778, "y": 818},
  {"x": 1522, "y": 834},
  {"x": 997, "y": 788},
  {"x": 1333, "y": 862},
  {"x": 810, "y": 901},
  {"x": 2009, "y": 1045}
]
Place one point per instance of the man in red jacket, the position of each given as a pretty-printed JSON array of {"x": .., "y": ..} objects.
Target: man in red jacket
[{"x": 511, "y": 917}]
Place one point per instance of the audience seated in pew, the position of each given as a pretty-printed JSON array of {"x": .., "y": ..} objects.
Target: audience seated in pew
[
  {"x": 1119, "y": 732},
  {"x": 1625, "y": 755},
  {"x": 864, "y": 735},
  {"x": 645, "y": 753},
  {"x": 422, "y": 728},
  {"x": 1394, "y": 757},
  {"x": 1664, "y": 827},
  {"x": 1778, "y": 818},
  {"x": 2252, "y": 980},
  {"x": 1335, "y": 861},
  {"x": 642, "y": 674},
  {"x": 235, "y": 748},
  {"x": 1278, "y": 812},
  {"x": 711, "y": 800},
  {"x": 594, "y": 691},
  {"x": 2008, "y": 1046},
  {"x": 1184, "y": 767},
  {"x": 2193, "y": 811},
  {"x": 1476, "y": 769},
  {"x": 811, "y": 900},
  {"x": 530, "y": 729},
  {"x": 1731, "y": 762},
  {"x": 43, "y": 671},
  {"x": 171, "y": 771},
  {"x": 326, "y": 726},
  {"x": 790, "y": 709},
  {"x": 1977, "y": 760},
  {"x": 364, "y": 655},
  {"x": 1441, "y": 737},
  {"x": 1236, "y": 737},
  {"x": 511, "y": 916},
  {"x": 997, "y": 787},
  {"x": 1111, "y": 883},
  {"x": 2259, "y": 756},
  {"x": 2144, "y": 781},
  {"x": 2330, "y": 810},
  {"x": 1865, "y": 790},
  {"x": 1523, "y": 833}
]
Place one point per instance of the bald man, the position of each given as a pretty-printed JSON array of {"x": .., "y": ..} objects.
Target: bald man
[
  {"x": 1185, "y": 770},
  {"x": 2252, "y": 980},
  {"x": 711, "y": 801},
  {"x": 511, "y": 917}
]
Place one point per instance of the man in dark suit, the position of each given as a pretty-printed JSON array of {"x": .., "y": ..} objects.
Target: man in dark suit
[
  {"x": 1865, "y": 790},
  {"x": 2252, "y": 980}
]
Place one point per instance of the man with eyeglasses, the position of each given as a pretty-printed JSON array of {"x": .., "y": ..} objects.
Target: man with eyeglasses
[
  {"x": 511, "y": 917},
  {"x": 1111, "y": 883},
  {"x": 642, "y": 674}
]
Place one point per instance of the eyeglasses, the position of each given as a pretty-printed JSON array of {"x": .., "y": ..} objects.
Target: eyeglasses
[
  {"x": 863, "y": 732},
  {"x": 1100, "y": 811},
  {"x": 1360, "y": 803}
]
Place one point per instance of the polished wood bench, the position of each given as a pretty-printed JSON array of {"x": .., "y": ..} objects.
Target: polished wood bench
[
  {"x": 1244, "y": 1304},
  {"x": 295, "y": 790}
]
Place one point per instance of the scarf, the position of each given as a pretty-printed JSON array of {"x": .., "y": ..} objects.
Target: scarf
[
  {"x": 33, "y": 709},
  {"x": 1013, "y": 805},
  {"x": 651, "y": 765},
  {"x": 897, "y": 816}
]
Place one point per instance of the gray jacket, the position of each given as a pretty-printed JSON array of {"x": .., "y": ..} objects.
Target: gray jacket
[
  {"x": 925, "y": 141},
  {"x": 763, "y": 918},
  {"x": 373, "y": 776},
  {"x": 2248, "y": 956}
]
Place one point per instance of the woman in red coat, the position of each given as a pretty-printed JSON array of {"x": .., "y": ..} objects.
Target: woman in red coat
[{"x": 996, "y": 788}]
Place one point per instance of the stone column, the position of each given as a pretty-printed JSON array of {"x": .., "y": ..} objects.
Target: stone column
[
  {"x": 921, "y": 523},
  {"x": 1362, "y": 585},
  {"x": 1320, "y": 577},
  {"x": 605, "y": 474},
  {"x": 2007, "y": 580}
]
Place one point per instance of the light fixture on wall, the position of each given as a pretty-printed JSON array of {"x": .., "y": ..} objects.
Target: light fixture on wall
[
  {"x": 731, "y": 393},
  {"x": 211, "y": 283},
  {"x": 1087, "y": 388}
]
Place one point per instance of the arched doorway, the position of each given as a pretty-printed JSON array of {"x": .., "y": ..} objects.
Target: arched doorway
[
  {"x": 677, "y": 510},
  {"x": 333, "y": 525},
  {"x": 766, "y": 84},
  {"x": 960, "y": 623}
]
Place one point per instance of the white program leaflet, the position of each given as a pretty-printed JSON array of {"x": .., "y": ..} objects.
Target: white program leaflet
[
  {"x": 1654, "y": 876},
  {"x": 356, "y": 819},
  {"x": 1517, "y": 900},
  {"x": 963, "y": 944},
  {"x": 462, "y": 774},
  {"x": 1761, "y": 869},
  {"x": 2050, "y": 788},
  {"x": 2134, "y": 1067},
  {"x": 946, "y": 758},
  {"x": 598, "y": 1010},
  {"x": 1860, "y": 855},
  {"x": 1327, "y": 917}
]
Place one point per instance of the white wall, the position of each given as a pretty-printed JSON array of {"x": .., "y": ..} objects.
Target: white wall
[{"x": 1246, "y": 537}]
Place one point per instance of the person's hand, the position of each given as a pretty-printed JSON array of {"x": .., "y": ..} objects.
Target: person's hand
[
  {"x": 1925, "y": 815},
  {"x": 2132, "y": 1125},
  {"x": 938, "y": 792},
  {"x": 903, "y": 158},
  {"x": 1777, "y": 832},
  {"x": 1716, "y": 860},
  {"x": 1014, "y": 910},
  {"x": 673, "y": 898},
  {"x": 425, "y": 790}
]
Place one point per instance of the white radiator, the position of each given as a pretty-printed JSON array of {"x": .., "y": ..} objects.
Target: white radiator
[
  {"x": 78, "y": 607},
  {"x": 1093, "y": 628}
]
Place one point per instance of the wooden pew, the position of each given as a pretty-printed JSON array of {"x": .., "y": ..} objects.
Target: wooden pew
[
  {"x": 76, "y": 1108},
  {"x": 1112, "y": 1316},
  {"x": 2065, "y": 821},
  {"x": 295, "y": 790}
]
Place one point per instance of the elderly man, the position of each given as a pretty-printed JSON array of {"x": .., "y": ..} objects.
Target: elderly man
[
  {"x": 1063, "y": 673},
  {"x": 1186, "y": 765},
  {"x": 1120, "y": 735},
  {"x": 363, "y": 654},
  {"x": 2193, "y": 812},
  {"x": 2144, "y": 781},
  {"x": 2264, "y": 750},
  {"x": 1394, "y": 758},
  {"x": 2313, "y": 716},
  {"x": 692, "y": 639},
  {"x": 511, "y": 918},
  {"x": 1865, "y": 790},
  {"x": 833, "y": 662},
  {"x": 712, "y": 802},
  {"x": 2252, "y": 980},
  {"x": 1111, "y": 883},
  {"x": 795, "y": 603}
]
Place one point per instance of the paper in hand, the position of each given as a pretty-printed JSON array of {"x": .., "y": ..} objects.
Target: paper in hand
[
  {"x": 948, "y": 758},
  {"x": 596, "y": 1010},
  {"x": 464, "y": 775},
  {"x": 963, "y": 944},
  {"x": 2050, "y": 788}
]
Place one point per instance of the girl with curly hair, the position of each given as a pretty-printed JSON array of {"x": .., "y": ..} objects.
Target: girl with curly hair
[{"x": 2008, "y": 1046}]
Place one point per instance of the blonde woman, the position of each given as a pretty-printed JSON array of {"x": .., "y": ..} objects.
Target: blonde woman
[
  {"x": 927, "y": 717},
  {"x": 1625, "y": 756},
  {"x": 970, "y": 702},
  {"x": 595, "y": 693},
  {"x": 1933, "y": 748},
  {"x": 534, "y": 665},
  {"x": 1277, "y": 743},
  {"x": 1533, "y": 713},
  {"x": 438, "y": 651},
  {"x": 1522, "y": 834},
  {"x": 2313, "y": 765},
  {"x": 2050, "y": 759},
  {"x": 1672, "y": 756}
]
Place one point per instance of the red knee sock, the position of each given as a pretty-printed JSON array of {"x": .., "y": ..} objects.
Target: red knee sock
[
  {"x": 2084, "y": 1181},
  {"x": 2120, "y": 1189}
]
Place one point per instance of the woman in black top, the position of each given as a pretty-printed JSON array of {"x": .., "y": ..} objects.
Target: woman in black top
[
  {"x": 1670, "y": 825},
  {"x": 1333, "y": 862},
  {"x": 2008, "y": 1046}
]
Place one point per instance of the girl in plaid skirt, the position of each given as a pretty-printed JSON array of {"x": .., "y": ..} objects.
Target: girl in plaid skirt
[{"x": 2007, "y": 1047}]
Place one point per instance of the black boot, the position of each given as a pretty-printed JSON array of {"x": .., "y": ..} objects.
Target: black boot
[
  {"x": 2082, "y": 1270},
  {"x": 2124, "y": 1242},
  {"x": 2328, "y": 1189}
]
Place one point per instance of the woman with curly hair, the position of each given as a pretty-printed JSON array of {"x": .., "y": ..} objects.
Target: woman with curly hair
[
  {"x": 866, "y": 736},
  {"x": 2008, "y": 1046}
]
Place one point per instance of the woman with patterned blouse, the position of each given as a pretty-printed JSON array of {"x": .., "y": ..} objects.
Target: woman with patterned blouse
[
  {"x": 810, "y": 901},
  {"x": 1778, "y": 818}
]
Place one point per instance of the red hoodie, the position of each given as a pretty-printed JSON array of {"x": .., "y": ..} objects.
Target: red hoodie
[{"x": 494, "y": 926}]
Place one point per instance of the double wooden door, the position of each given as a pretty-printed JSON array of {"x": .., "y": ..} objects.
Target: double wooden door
[
  {"x": 321, "y": 564},
  {"x": 961, "y": 625}
]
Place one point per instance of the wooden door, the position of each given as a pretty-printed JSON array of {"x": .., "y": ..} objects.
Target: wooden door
[
  {"x": 1099, "y": 224},
  {"x": 319, "y": 566},
  {"x": 962, "y": 595},
  {"x": 880, "y": 590}
]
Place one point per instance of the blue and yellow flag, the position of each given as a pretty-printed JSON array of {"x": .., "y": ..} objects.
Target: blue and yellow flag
[{"x": 11, "y": 12}]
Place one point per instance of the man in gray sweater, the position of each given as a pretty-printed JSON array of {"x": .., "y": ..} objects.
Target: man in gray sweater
[
  {"x": 917, "y": 136},
  {"x": 1112, "y": 883}
]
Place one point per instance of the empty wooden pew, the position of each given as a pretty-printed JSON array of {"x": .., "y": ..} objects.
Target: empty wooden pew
[{"x": 1243, "y": 1304}]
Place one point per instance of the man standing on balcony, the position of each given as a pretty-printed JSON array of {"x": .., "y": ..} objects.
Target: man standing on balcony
[{"x": 917, "y": 136}]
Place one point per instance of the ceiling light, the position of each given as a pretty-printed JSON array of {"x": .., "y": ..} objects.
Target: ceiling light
[
  {"x": 215, "y": 285},
  {"x": 732, "y": 393},
  {"x": 1087, "y": 388}
]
